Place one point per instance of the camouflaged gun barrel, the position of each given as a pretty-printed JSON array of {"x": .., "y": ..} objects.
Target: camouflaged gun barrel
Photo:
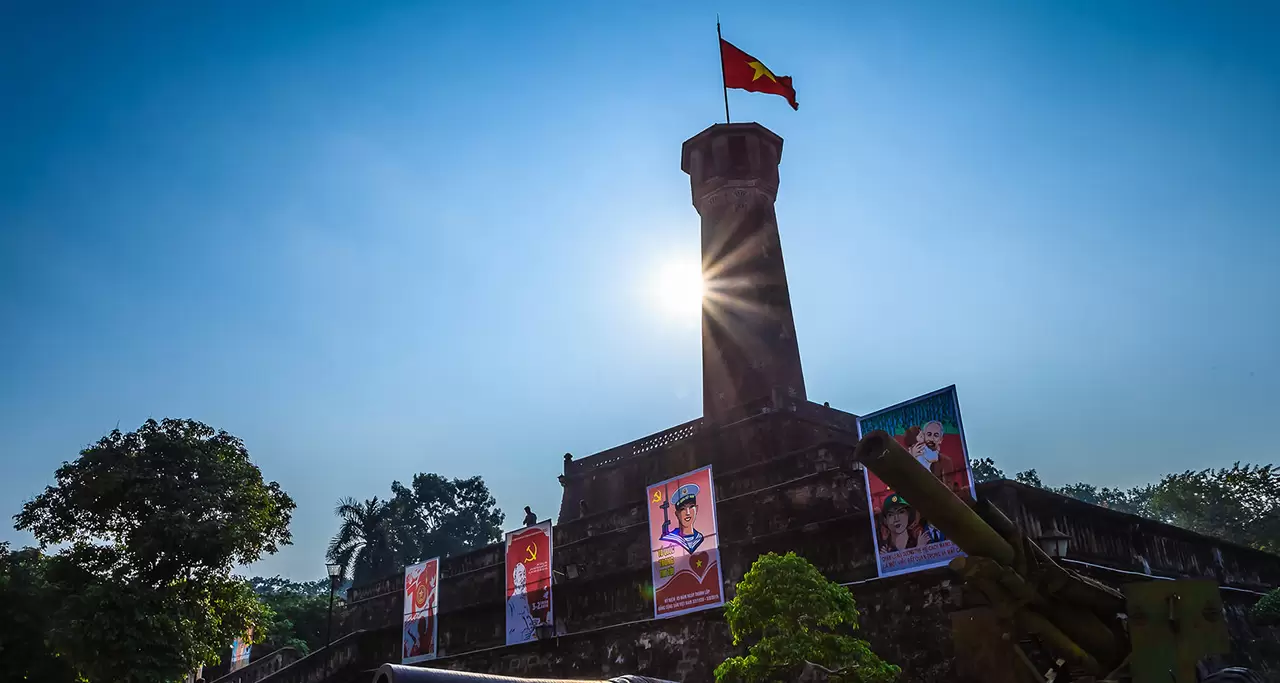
[
  {"x": 884, "y": 456},
  {"x": 1070, "y": 613},
  {"x": 396, "y": 673}
]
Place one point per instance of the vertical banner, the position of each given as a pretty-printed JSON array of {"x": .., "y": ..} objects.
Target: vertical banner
[
  {"x": 684, "y": 544},
  {"x": 528, "y": 582},
  {"x": 421, "y": 611},
  {"x": 929, "y": 428},
  {"x": 240, "y": 648}
]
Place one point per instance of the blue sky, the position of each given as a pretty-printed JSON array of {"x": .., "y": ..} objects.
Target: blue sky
[{"x": 377, "y": 238}]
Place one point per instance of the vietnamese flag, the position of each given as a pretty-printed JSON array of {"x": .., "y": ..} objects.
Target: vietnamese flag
[{"x": 745, "y": 72}]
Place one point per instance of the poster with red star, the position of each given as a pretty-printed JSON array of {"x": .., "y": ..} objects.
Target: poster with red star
[
  {"x": 683, "y": 544},
  {"x": 528, "y": 582},
  {"x": 421, "y": 611}
]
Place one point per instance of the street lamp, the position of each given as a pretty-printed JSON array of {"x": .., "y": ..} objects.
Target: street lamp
[
  {"x": 1054, "y": 542},
  {"x": 335, "y": 575}
]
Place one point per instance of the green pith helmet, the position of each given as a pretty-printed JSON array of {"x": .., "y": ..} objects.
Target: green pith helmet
[{"x": 895, "y": 501}]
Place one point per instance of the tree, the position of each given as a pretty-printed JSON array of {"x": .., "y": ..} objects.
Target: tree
[
  {"x": 1240, "y": 504},
  {"x": 1030, "y": 478},
  {"x": 1266, "y": 610},
  {"x": 794, "y": 616},
  {"x": 442, "y": 517},
  {"x": 366, "y": 545},
  {"x": 26, "y": 600},
  {"x": 299, "y": 612},
  {"x": 153, "y": 522},
  {"x": 984, "y": 470},
  {"x": 434, "y": 517}
]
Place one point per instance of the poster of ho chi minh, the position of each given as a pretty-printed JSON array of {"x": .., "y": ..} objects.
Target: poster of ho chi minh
[
  {"x": 929, "y": 428},
  {"x": 421, "y": 611},
  {"x": 684, "y": 542},
  {"x": 528, "y": 582}
]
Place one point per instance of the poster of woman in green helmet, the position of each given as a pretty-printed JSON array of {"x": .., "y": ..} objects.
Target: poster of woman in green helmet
[{"x": 929, "y": 428}]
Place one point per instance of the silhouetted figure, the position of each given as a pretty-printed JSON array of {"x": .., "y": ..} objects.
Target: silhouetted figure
[
  {"x": 529, "y": 518},
  {"x": 582, "y": 507}
]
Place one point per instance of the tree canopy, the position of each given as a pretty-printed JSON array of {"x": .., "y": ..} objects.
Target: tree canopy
[
  {"x": 299, "y": 612},
  {"x": 152, "y": 523},
  {"x": 1240, "y": 504},
  {"x": 26, "y": 622},
  {"x": 792, "y": 615},
  {"x": 434, "y": 516}
]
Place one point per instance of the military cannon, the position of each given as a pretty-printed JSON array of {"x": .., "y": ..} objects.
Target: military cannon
[
  {"x": 1152, "y": 632},
  {"x": 395, "y": 673}
]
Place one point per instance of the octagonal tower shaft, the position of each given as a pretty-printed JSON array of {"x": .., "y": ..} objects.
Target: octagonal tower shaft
[{"x": 749, "y": 347}]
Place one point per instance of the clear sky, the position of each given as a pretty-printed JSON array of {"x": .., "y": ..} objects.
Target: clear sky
[{"x": 375, "y": 238}]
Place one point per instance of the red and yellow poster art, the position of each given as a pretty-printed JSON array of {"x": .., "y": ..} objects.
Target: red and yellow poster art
[
  {"x": 421, "y": 611},
  {"x": 528, "y": 582},
  {"x": 929, "y": 428},
  {"x": 684, "y": 543}
]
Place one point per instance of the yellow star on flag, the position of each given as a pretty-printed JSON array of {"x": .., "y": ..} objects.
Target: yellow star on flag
[{"x": 761, "y": 70}]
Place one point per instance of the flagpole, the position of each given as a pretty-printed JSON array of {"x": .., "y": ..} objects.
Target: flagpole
[{"x": 723, "y": 86}]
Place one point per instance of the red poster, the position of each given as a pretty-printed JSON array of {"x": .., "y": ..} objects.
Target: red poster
[
  {"x": 421, "y": 611},
  {"x": 528, "y": 582},
  {"x": 683, "y": 542}
]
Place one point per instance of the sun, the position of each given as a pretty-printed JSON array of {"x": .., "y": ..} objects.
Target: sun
[{"x": 678, "y": 287}]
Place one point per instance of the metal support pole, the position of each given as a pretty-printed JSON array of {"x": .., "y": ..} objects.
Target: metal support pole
[{"x": 328, "y": 632}]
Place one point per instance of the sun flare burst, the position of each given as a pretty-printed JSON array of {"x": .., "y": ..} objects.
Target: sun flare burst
[{"x": 678, "y": 288}]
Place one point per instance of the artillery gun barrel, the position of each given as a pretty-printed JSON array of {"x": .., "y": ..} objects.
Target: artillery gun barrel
[
  {"x": 887, "y": 459},
  {"x": 397, "y": 673}
]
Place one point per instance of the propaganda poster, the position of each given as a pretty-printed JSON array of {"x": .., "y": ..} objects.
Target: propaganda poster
[
  {"x": 929, "y": 428},
  {"x": 528, "y": 582},
  {"x": 421, "y": 611},
  {"x": 240, "y": 649},
  {"x": 684, "y": 543}
]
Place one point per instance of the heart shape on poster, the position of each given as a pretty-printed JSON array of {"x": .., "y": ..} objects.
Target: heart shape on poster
[{"x": 699, "y": 563}]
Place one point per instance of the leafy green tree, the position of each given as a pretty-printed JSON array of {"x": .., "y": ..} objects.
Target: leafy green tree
[
  {"x": 1240, "y": 504},
  {"x": 434, "y": 516},
  {"x": 792, "y": 615},
  {"x": 439, "y": 516},
  {"x": 1135, "y": 501},
  {"x": 153, "y": 522},
  {"x": 984, "y": 470},
  {"x": 367, "y": 545},
  {"x": 1267, "y": 609},
  {"x": 1030, "y": 478},
  {"x": 299, "y": 612},
  {"x": 26, "y": 604}
]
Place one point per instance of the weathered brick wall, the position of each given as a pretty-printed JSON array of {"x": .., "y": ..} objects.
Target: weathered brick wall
[{"x": 785, "y": 481}]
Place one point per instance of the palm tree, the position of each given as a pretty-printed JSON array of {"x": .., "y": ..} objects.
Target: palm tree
[{"x": 365, "y": 546}]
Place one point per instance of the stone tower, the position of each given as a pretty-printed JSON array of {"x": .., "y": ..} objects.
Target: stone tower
[{"x": 749, "y": 347}]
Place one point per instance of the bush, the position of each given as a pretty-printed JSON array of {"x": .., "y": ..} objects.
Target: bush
[
  {"x": 1267, "y": 609},
  {"x": 793, "y": 615}
]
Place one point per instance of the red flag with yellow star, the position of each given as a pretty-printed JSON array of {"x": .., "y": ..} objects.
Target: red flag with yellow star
[{"x": 745, "y": 72}]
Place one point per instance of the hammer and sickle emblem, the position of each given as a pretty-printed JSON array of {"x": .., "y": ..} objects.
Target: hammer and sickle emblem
[
  {"x": 657, "y": 496},
  {"x": 531, "y": 553}
]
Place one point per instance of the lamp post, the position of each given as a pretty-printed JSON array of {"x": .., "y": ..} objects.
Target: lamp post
[
  {"x": 335, "y": 575},
  {"x": 1054, "y": 543}
]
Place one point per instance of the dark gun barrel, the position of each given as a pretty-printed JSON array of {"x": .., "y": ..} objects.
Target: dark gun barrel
[
  {"x": 1074, "y": 615},
  {"x": 884, "y": 456},
  {"x": 397, "y": 673}
]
